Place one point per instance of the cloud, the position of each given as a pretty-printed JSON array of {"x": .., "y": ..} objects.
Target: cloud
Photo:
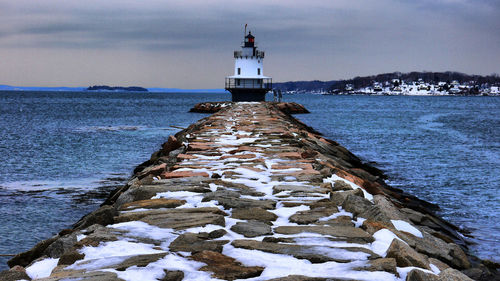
[{"x": 311, "y": 40}]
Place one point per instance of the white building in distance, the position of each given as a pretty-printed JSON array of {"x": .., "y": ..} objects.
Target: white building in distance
[{"x": 248, "y": 82}]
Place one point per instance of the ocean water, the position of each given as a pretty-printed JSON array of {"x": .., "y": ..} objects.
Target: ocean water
[{"x": 62, "y": 153}]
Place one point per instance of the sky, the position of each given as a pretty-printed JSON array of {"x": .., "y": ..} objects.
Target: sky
[{"x": 190, "y": 44}]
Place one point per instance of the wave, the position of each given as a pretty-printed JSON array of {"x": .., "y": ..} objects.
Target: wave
[{"x": 109, "y": 128}]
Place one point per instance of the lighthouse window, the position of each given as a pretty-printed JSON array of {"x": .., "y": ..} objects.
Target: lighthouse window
[
  {"x": 258, "y": 71},
  {"x": 239, "y": 71},
  {"x": 238, "y": 81}
]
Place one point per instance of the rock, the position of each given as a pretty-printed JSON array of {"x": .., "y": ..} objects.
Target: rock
[
  {"x": 340, "y": 185},
  {"x": 374, "y": 226},
  {"x": 315, "y": 254},
  {"x": 192, "y": 242},
  {"x": 70, "y": 257},
  {"x": 439, "y": 264},
  {"x": 103, "y": 216},
  {"x": 171, "y": 144},
  {"x": 217, "y": 233},
  {"x": 252, "y": 228},
  {"x": 289, "y": 155},
  {"x": 388, "y": 208},
  {"x": 85, "y": 276},
  {"x": 382, "y": 264},
  {"x": 155, "y": 170},
  {"x": 356, "y": 204},
  {"x": 139, "y": 261},
  {"x": 184, "y": 220},
  {"x": 14, "y": 274},
  {"x": 25, "y": 258},
  {"x": 414, "y": 216},
  {"x": 310, "y": 216},
  {"x": 339, "y": 197},
  {"x": 152, "y": 204},
  {"x": 304, "y": 278},
  {"x": 253, "y": 214},
  {"x": 459, "y": 258},
  {"x": 376, "y": 213},
  {"x": 326, "y": 185},
  {"x": 383, "y": 211},
  {"x": 451, "y": 274},
  {"x": 406, "y": 256},
  {"x": 298, "y": 188},
  {"x": 231, "y": 202},
  {"x": 434, "y": 247},
  {"x": 148, "y": 191},
  {"x": 62, "y": 244},
  {"x": 177, "y": 218},
  {"x": 338, "y": 221},
  {"x": 134, "y": 216},
  {"x": 419, "y": 275},
  {"x": 291, "y": 108},
  {"x": 342, "y": 233},
  {"x": 182, "y": 174},
  {"x": 477, "y": 273},
  {"x": 224, "y": 267},
  {"x": 173, "y": 276},
  {"x": 220, "y": 193}
]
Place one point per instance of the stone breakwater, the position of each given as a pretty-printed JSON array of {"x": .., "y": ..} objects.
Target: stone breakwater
[
  {"x": 213, "y": 107},
  {"x": 252, "y": 193}
]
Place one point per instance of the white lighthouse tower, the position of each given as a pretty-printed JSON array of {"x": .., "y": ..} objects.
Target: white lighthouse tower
[{"x": 248, "y": 82}]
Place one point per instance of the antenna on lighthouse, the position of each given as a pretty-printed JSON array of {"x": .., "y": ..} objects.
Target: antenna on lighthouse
[{"x": 245, "y": 34}]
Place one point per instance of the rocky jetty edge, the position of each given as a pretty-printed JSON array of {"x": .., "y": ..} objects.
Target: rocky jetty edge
[
  {"x": 252, "y": 193},
  {"x": 213, "y": 107}
]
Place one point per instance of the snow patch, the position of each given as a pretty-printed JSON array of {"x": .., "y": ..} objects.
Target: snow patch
[
  {"x": 333, "y": 178},
  {"x": 406, "y": 227},
  {"x": 41, "y": 269},
  {"x": 383, "y": 239},
  {"x": 118, "y": 248},
  {"x": 277, "y": 265}
]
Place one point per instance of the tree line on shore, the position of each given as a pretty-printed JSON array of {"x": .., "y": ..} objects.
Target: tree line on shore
[{"x": 365, "y": 81}]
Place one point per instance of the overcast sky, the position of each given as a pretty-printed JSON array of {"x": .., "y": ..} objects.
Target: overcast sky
[{"x": 189, "y": 44}]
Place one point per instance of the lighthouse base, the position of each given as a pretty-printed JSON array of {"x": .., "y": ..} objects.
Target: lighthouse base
[{"x": 247, "y": 95}]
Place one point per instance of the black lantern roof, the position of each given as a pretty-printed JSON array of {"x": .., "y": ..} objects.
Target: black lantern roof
[{"x": 249, "y": 40}]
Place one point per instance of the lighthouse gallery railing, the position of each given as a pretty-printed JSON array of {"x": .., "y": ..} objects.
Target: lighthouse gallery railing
[{"x": 245, "y": 83}]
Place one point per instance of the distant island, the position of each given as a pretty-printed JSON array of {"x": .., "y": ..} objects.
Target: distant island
[
  {"x": 114, "y": 88},
  {"x": 397, "y": 83}
]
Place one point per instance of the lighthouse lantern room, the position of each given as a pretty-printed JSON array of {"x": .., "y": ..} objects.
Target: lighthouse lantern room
[{"x": 248, "y": 82}]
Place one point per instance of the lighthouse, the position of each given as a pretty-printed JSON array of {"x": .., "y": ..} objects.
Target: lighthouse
[{"x": 248, "y": 82}]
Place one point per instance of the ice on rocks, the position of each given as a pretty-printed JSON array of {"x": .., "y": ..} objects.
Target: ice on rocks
[
  {"x": 383, "y": 239},
  {"x": 278, "y": 265},
  {"x": 95, "y": 264},
  {"x": 225, "y": 148},
  {"x": 305, "y": 238},
  {"x": 340, "y": 253},
  {"x": 403, "y": 271},
  {"x": 41, "y": 269},
  {"x": 406, "y": 227},
  {"x": 284, "y": 213},
  {"x": 142, "y": 229},
  {"x": 79, "y": 237},
  {"x": 359, "y": 222},
  {"x": 334, "y": 178},
  {"x": 341, "y": 212},
  {"x": 175, "y": 194},
  {"x": 156, "y": 270},
  {"x": 118, "y": 248},
  {"x": 434, "y": 268}
]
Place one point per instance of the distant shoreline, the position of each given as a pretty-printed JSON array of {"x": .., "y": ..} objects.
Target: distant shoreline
[{"x": 106, "y": 89}]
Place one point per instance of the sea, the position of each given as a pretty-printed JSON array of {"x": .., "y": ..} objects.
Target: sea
[{"x": 61, "y": 153}]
